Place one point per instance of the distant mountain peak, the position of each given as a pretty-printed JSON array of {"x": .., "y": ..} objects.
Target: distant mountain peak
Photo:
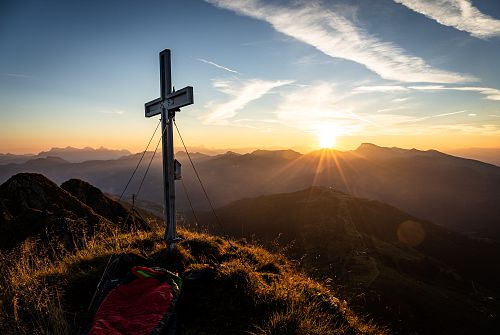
[
  {"x": 229, "y": 154},
  {"x": 367, "y": 145},
  {"x": 370, "y": 149},
  {"x": 363, "y": 147},
  {"x": 76, "y": 155}
]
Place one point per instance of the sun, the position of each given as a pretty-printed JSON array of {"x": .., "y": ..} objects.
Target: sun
[{"x": 327, "y": 138}]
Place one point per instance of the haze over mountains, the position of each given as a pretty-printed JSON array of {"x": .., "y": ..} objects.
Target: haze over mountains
[
  {"x": 69, "y": 154},
  {"x": 488, "y": 155},
  {"x": 458, "y": 193}
]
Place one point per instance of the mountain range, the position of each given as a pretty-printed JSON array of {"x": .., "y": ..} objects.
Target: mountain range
[
  {"x": 74, "y": 155},
  {"x": 461, "y": 194}
]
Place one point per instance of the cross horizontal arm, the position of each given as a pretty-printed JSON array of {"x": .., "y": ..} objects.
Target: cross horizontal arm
[
  {"x": 172, "y": 101},
  {"x": 153, "y": 107},
  {"x": 180, "y": 98}
]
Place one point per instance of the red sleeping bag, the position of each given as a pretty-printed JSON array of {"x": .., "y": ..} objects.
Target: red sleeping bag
[{"x": 136, "y": 307}]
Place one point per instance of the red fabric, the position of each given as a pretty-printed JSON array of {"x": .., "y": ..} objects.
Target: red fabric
[{"x": 133, "y": 308}]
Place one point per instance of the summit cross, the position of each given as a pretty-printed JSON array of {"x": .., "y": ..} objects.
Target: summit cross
[{"x": 167, "y": 105}]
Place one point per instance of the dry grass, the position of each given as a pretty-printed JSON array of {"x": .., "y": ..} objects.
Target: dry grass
[{"x": 46, "y": 290}]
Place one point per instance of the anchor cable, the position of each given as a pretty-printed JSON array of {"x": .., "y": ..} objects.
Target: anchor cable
[
  {"x": 140, "y": 160},
  {"x": 201, "y": 184},
  {"x": 190, "y": 203},
  {"x": 136, "y": 195},
  {"x": 150, "y": 161}
]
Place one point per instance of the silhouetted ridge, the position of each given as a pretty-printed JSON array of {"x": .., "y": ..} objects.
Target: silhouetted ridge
[
  {"x": 101, "y": 204},
  {"x": 32, "y": 206},
  {"x": 285, "y": 154},
  {"x": 374, "y": 151},
  {"x": 50, "y": 160},
  {"x": 85, "y": 154},
  {"x": 229, "y": 154}
]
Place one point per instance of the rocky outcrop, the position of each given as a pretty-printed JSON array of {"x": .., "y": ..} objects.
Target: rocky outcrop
[{"x": 102, "y": 204}]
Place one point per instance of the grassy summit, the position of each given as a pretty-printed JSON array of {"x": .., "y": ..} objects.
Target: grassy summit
[
  {"x": 249, "y": 290},
  {"x": 58, "y": 241}
]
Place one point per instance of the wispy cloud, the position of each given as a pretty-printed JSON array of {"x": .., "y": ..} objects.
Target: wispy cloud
[
  {"x": 16, "y": 75},
  {"x": 484, "y": 129},
  {"x": 381, "y": 88},
  {"x": 242, "y": 93},
  {"x": 434, "y": 116},
  {"x": 336, "y": 36},
  {"x": 217, "y": 65},
  {"x": 490, "y": 93},
  {"x": 460, "y": 14},
  {"x": 394, "y": 124},
  {"x": 390, "y": 109},
  {"x": 112, "y": 111},
  {"x": 400, "y": 99}
]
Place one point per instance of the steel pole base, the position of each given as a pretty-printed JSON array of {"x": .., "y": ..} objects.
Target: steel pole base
[{"x": 172, "y": 242}]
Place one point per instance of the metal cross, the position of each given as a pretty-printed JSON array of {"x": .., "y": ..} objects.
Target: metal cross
[{"x": 167, "y": 105}]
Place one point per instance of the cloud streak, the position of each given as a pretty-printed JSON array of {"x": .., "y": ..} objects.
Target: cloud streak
[
  {"x": 242, "y": 93},
  {"x": 113, "y": 111},
  {"x": 337, "y": 37},
  {"x": 434, "y": 116},
  {"x": 459, "y": 14},
  {"x": 490, "y": 93},
  {"x": 16, "y": 75},
  {"x": 382, "y": 88},
  {"x": 217, "y": 65}
]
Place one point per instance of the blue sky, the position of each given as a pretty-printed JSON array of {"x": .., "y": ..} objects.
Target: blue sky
[{"x": 266, "y": 74}]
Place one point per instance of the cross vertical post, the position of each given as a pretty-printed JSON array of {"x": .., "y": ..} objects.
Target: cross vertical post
[
  {"x": 167, "y": 117},
  {"x": 167, "y": 105}
]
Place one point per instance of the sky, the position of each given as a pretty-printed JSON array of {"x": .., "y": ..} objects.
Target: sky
[{"x": 266, "y": 74}]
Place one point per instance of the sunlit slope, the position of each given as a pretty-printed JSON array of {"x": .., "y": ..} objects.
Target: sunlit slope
[
  {"x": 413, "y": 274},
  {"x": 229, "y": 287}
]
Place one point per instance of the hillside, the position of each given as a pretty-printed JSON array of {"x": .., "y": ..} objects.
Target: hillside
[
  {"x": 32, "y": 206},
  {"x": 240, "y": 288},
  {"x": 458, "y": 193},
  {"x": 414, "y": 275}
]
